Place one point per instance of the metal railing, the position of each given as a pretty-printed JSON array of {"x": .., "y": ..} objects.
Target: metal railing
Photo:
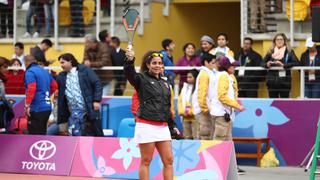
[
  {"x": 60, "y": 24},
  {"x": 301, "y": 69}
]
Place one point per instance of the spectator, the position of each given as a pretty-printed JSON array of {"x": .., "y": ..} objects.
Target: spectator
[
  {"x": 185, "y": 106},
  {"x": 53, "y": 127},
  {"x": 39, "y": 51},
  {"x": 280, "y": 55},
  {"x": 151, "y": 130},
  {"x": 225, "y": 101},
  {"x": 4, "y": 63},
  {"x": 207, "y": 45},
  {"x": 15, "y": 83},
  {"x": 48, "y": 6},
  {"x": 6, "y": 16},
  {"x": 118, "y": 55},
  {"x": 97, "y": 55},
  {"x": 35, "y": 8},
  {"x": 201, "y": 97},
  {"x": 168, "y": 48},
  {"x": 19, "y": 53},
  {"x": 223, "y": 49},
  {"x": 249, "y": 80},
  {"x": 104, "y": 37},
  {"x": 77, "y": 24},
  {"x": 189, "y": 59},
  {"x": 311, "y": 57},
  {"x": 257, "y": 15},
  {"x": 80, "y": 94},
  {"x": 39, "y": 87}
]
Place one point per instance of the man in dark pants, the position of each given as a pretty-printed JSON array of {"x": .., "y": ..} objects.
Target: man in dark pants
[
  {"x": 6, "y": 16},
  {"x": 39, "y": 87},
  {"x": 248, "y": 80},
  {"x": 80, "y": 94},
  {"x": 118, "y": 55},
  {"x": 77, "y": 24}
]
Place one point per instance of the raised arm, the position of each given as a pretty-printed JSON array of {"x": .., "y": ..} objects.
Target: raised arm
[{"x": 129, "y": 69}]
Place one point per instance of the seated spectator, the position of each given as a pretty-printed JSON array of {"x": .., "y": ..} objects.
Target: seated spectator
[
  {"x": 249, "y": 80},
  {"x": 4, "y": 63},
  {"x": 207, "y": 46},
  {"x": 280, "y": 55},
  {"x": 19, "y": 53},
  {"x": 39, "y": 51},
  {"x": 53, "y": 127},
  {"x": 118, "y": 55},
  {"x": 311, "y": 57},
  {"x": 15, "y": 83},
  {"x": 167, "y": 52},
  {"x": 97, "y": 55},
  {"x": 223, "y": 49},
  {"x": 189, "y": 59}
]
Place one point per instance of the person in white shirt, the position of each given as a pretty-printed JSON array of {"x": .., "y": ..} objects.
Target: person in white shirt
[
  {"x": 222, "y": 48},
  {"x": 185, "y": 105},
  {"x": 19, "y": 53}
]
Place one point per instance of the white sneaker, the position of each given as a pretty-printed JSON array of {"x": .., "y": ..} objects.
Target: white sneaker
[
  {"x": 26, "y": 35},
  {"x": 35, "y": 35}
]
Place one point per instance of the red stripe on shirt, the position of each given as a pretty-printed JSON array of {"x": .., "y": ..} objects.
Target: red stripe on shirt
[
  {"x": 156, "y": 123},
  {"x": 31, "y": 91},
  {"x": 53, "y": 87}
]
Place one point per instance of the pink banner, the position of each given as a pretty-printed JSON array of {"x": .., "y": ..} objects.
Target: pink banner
[
  {"x": 120, "y": 157},
  {"x": 37, "y": 154},
  {"x": 112, "y": 157}
]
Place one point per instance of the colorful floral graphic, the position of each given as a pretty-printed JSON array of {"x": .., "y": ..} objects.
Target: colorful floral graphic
[
  {"x": 102, "y": 169},
  {"x": 128, "y": 150},
  {"x": 185, "y": 155},
  {"x": 258, "y": 116}
]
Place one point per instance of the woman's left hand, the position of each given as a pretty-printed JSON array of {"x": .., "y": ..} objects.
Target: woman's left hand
[{"x": 176, "y": 130}]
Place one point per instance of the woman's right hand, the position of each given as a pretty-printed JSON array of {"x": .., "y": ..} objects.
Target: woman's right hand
[
  {"x": 130, "y": 53},
  {"x": 269, "y": 63}
]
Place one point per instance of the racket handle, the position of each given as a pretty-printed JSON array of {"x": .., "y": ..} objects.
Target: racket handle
[{"x": 130, "y": 46}]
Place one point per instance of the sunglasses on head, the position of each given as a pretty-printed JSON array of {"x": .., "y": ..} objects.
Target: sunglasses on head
[{"x": 153, "y": 55}]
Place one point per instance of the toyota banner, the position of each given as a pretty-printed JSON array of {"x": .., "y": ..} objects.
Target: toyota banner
[{"x": 37, "y": 154}]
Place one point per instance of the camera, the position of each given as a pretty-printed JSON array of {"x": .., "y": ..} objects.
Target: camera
[{"x": 227, "y": 117}]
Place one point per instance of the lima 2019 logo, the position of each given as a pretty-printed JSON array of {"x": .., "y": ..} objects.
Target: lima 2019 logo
[{"x": 41, "y": 150}]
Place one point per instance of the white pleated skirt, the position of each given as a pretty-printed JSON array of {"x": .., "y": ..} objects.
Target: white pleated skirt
[{"x": 147, "y": 133}]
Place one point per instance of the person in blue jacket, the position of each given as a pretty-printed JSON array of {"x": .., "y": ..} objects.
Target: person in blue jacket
[
  {"x": 40, "y": 85},
  {"x": 80, "y": 94},
  {"x": 168, "y": 48}
]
